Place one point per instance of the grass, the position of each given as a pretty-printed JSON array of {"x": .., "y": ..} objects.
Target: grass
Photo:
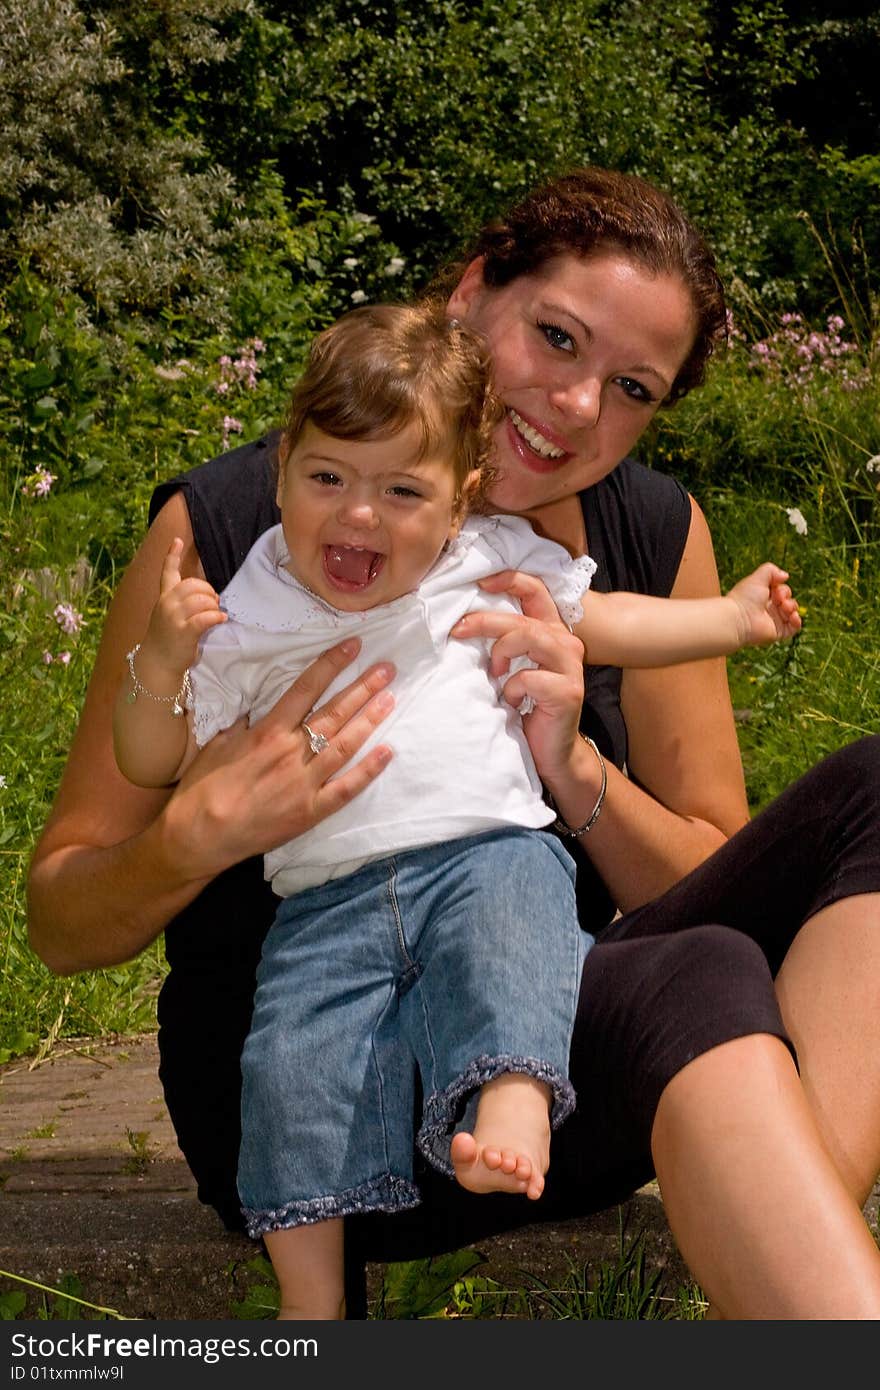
[{"x": 444, "y": 1287}]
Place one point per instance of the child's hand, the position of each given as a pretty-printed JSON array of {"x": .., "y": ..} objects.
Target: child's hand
[
  {"x": 767, "y": 609},
  {"x": 186, "y": 608}
]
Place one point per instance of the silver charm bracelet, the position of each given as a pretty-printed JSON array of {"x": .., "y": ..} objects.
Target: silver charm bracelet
[
  {"x": 562, "y": 826},
  {"x": 177, "y": 702}
]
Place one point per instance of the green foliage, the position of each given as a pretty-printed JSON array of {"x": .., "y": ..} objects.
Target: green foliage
[
  {"x": 141, "y": 147},
  {"x": 105, "y": 196},
  {"x": 53, "y": 372},
  {"x": 48, "y": 1303},
  {"x": 262, "y": 1299},
  {"x": 620, "y": 1289},
  {"x": 784, "y": 436},
  {"x": 423, "y": 1288},
  {"x": 433, "y": 115}
]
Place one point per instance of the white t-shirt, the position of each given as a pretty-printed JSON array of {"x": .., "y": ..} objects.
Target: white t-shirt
[{"x": 461, "y": 763}]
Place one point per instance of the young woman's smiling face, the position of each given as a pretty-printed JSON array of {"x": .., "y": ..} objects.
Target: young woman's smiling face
[
  {"x": 584, "y": 351},
  {"x": 364, "y": 520}
]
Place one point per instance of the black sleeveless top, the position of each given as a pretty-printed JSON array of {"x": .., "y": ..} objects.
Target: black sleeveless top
[{"x": 637, "y": 523}]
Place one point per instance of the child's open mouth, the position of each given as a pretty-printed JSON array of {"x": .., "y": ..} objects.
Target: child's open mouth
[{"x": 351, "y": 568}]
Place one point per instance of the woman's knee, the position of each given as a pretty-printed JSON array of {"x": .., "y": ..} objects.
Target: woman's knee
[
  {"x": 714, "y": 961},
  {"x": 851, "y": 776}
]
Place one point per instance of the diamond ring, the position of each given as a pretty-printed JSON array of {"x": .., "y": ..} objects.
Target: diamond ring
[{"x": 317, "y": 742}]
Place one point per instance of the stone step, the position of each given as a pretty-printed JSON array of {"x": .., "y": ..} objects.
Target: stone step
[{"x": 92, "y": 1184}]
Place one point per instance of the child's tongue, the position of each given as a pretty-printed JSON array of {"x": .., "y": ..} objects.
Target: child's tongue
[{"x": 349, "y": 565}]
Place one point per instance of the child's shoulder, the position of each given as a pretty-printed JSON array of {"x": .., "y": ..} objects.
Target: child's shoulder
[{"x": 513, "y": 539}]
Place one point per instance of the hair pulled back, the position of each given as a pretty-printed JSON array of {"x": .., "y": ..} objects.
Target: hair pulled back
[{"x": 589, "y": 211}]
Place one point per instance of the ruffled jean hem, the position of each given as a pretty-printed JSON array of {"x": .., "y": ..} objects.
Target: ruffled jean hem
[
  {"x": 385, "y": 1193},
  {"x": 441, "y": 1107}
]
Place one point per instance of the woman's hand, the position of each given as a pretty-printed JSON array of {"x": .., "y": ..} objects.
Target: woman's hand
[
  {"x": 557, "y": 685},
  {"x": 252, "y": 788}
]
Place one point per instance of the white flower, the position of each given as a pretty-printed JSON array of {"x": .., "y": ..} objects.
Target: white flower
[
  {"x": 2, "y": 781},
  {"x": 351, "y": 262},
  {"x": 797, "y": 519},
  {"x": 873, "y": 464},
  {"x": 358, "y": 296},
  {"x": 394, "y": 266}
]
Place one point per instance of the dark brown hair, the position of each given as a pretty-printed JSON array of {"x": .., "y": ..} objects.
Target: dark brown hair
[
  {"x": 589, "y": 211},
  {"x": 383, "y": 367}
]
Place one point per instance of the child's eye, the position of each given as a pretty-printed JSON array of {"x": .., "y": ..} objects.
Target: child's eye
[
  {"x": 556, "y": 336},
  {"x": 401, "y": 491},
  {"x": 636, "y": 390},
  {"x": 327, "y": 479}
]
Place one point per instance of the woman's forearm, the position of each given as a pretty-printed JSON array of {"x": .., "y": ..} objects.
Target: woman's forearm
[
  {"x": 91, "y": 906},
  {"x": 638, "y": 846}
]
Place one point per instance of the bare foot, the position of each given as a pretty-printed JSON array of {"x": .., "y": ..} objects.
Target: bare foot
[{"x": 509, "y": 1150}]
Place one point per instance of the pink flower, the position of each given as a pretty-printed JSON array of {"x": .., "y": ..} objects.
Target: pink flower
[
  {"x": 67, "y": 618},
  {"x": 64, "y": 658},
  {"x": 39, "y": 484},
  {"x": 47, "y": 658},
  {"x": 230, "y": 426}
]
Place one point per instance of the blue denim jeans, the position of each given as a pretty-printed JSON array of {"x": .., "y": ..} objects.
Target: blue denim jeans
[{"x": 462, "y": 960}]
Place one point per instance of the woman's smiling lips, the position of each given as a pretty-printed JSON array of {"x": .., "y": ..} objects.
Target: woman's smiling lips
[{"x": 538, "y": 452}]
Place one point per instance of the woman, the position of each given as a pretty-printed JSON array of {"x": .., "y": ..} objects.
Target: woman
[{"x": 599, "y": 303}]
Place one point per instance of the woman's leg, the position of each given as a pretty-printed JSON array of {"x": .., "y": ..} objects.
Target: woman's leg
[
  {"x": 829, "y": 993},
  {"x": 753, "y": 1198},
  {"x": 764, "y": 1181}
]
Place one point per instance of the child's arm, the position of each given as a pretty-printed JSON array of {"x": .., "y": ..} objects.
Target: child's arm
[
  {"x": 636, "y": 630},
  {"x": 153, "y": 744}
]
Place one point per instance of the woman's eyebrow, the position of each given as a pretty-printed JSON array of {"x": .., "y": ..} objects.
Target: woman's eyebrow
[
  {"x": 569, "y": 314},
  {"x": 645, "y": 369}
]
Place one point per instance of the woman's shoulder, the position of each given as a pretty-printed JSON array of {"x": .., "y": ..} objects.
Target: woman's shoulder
[
  {"x": 231, "y": 501},
  {"x": 637, "y": 521}
]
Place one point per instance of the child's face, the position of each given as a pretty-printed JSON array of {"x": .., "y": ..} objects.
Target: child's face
[{"x": 364, "y": 520}]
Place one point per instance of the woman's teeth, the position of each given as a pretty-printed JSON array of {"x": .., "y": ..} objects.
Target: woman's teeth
[{"x": 534, "y": 440}]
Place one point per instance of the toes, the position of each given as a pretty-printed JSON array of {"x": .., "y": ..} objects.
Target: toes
[{"x": 463, "y": 1150}]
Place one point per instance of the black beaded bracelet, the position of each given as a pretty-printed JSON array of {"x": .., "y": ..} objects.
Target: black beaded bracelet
[{"x": 562, "y": 826}]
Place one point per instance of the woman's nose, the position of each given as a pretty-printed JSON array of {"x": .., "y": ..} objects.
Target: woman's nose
[{"x": 579, "y": 399}]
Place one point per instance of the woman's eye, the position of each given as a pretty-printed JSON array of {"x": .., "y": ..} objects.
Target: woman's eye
[
  {"x": 635, "y": 390},
  {"x": 557, "y": 337}
]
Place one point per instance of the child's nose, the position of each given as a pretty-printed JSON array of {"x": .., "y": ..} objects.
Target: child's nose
[{"x": 359, "y": 512}]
